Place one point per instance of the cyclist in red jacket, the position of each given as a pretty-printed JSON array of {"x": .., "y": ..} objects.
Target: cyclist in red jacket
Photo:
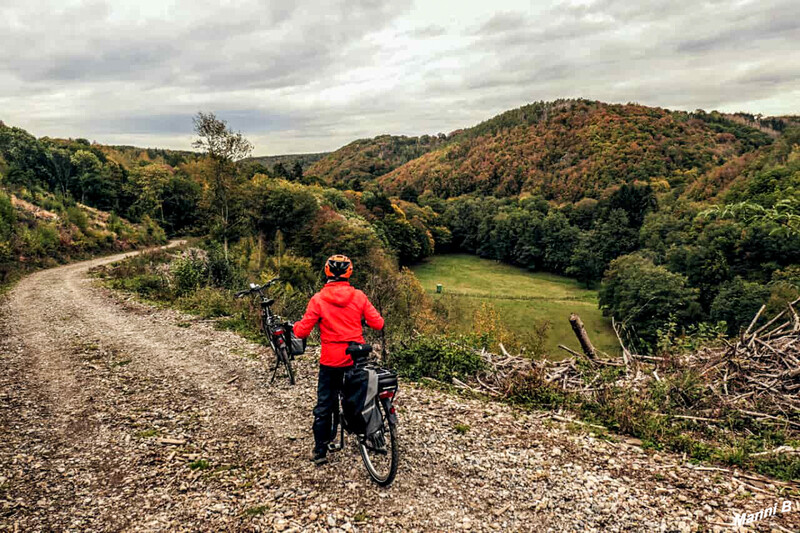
[{"x": 338, "y": 309}]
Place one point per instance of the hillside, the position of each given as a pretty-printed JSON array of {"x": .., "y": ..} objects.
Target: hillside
[
  {"x": 287, "y": 160},
  {"x": 570, "y": 149},
  {"x": 364, "y": 160},
  {"x": 40, "y": 230}
]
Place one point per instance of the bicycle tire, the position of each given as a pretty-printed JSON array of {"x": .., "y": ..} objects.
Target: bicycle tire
[
  {"x": 284, "y": 356},
  {"x": 382, "y": 481}
]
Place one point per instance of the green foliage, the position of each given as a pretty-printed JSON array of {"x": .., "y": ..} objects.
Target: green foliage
[
  {"x": 189, "y": 271},
  {"x": 280, "y": 205},
  {"x": 149, "y": 286},
  {"x": 77, "y": 216},
  {"x": 7, "y": 217},
  {"x": 295, "y": 271},
  {"x": 222, "y": 272},
  {"x": 151, "y": 232},
  {"x": 461, "y": 429},
  {"x": 784, "y": 215},
  {"x": 200, "y": 464},
  {"x": 737, "y": 303},
  {"x": 207, "y": 302},
  {"x": 672, "y": 339},
  {"x": 438, "y": 357},
  {"x": 256, "y": 510},
  {"x": 644, "y": 296}
]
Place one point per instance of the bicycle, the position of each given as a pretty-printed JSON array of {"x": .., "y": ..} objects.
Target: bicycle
[
  {"x": 379, "y": 450},
  {"x": 274, "y": 328}
]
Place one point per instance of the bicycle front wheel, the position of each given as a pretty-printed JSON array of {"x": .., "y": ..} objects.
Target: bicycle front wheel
[{"x": 380, "y": 458}]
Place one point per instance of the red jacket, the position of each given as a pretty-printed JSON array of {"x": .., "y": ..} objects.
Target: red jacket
[{"x": 338, "y": 308}]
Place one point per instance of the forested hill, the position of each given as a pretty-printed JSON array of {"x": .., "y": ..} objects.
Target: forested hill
[
  {"x": 360, "y": 162},
  {"x": 570, "y": 149},
  {"x": 286, "y": 165}
]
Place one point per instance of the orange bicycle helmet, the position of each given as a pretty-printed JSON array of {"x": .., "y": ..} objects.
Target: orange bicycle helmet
[{"x": 338, "y": 266}]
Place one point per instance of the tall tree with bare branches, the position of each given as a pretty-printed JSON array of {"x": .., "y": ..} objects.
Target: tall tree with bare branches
[{"x": 224, "y": 148}]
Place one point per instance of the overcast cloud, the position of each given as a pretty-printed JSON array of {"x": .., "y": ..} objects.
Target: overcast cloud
[{"x": 309, "y": 76}]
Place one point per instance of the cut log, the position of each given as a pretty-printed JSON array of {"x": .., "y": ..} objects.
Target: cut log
[{"x": 583, "y": 337}]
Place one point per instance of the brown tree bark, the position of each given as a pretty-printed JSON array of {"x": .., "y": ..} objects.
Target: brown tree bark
[{"x": 583, "y": 337}]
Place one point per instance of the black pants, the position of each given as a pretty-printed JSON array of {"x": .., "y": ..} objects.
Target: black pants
[{"x": 328, "y": 387}]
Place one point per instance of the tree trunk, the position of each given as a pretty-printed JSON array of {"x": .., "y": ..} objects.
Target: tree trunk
[
  {"x": 260, "y": 245},
  {"x": 583, "y": 337}
]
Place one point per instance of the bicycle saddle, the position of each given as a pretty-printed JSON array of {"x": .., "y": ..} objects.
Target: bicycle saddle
[{"x": 358, "y": 352}]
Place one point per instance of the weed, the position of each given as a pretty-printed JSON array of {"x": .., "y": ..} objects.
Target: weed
[
  {"x": 256, "y": 510},
  {"x": 200, "y": 464},
  {"x": 147, "y": 433},
  {"x": 461, "y": 429}
]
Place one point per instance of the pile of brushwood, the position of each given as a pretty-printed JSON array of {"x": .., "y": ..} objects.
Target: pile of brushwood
[
  {"x": 735, "y": 401},
  {"x": 759, "y": 375}
]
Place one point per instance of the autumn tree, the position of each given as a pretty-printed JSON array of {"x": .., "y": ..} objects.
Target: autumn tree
[
  {"x": 224, "y": 149},
  {"x": 151, "y": 184},
  {"x": 297, "y": 171},
  {"x": 87, "y": 167},
  {"x": 60, "y": 169}
]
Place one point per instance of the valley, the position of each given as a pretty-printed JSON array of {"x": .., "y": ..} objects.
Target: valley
[{"x": 521, "y": 298}]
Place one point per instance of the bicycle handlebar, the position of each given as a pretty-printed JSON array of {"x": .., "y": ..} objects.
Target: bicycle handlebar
[{"x": 256, "y": 288}]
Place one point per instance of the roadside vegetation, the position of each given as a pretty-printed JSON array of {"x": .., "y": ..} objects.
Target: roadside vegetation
[
  {"x": 684, "y": 224},
  {"x": 40, "y": 230}
]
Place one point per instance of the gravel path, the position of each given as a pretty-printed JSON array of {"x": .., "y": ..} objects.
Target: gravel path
[{"x": 118, "y": 416}]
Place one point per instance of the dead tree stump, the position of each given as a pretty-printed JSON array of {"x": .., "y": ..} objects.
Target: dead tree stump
[{"x": 583, "y": 337}]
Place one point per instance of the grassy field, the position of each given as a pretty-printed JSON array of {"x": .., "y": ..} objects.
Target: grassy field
[{"x": 520, "y": 297}]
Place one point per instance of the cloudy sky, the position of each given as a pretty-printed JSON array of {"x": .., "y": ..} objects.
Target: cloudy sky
[{"x": 312, "y": 75}]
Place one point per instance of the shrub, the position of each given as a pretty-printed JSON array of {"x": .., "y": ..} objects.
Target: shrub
[
  {"x": 531, "y": 390},
  {"x": 7, "y": 217},
  {"x": 150, "y": 232},
  {"x": 492, "y": 332},
  {"x": 115, "y": 225},
  {"x": 737, "y": 302},
  {"x": 645, "y": 296},
  {"x": 76, "y": 216},
  {"x": 151, "y": 286},
  {"x": 222, "y": 273},
  {"x": 45, "y": 240},
  {"x": 438, "y": 357},
  {"x": 189, "y": 271},
  {"x": 294, "y": 270},
  {"x": 207, "y": 302},
  {"x": 337, "y": 200}
]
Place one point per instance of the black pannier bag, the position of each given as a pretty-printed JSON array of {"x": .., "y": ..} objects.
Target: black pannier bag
[
  {"x": 360, "y": 401},
  {"x": 360, "y": 393},
  {"x": 387, "y": 379},
  {"x": 296, "y": 345}
]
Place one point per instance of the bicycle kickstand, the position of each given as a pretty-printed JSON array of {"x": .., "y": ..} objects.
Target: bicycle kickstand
[{"x": 275, "y": 371}]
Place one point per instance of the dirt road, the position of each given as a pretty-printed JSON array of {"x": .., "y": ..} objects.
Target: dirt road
[{"x": 118, "y": 416}]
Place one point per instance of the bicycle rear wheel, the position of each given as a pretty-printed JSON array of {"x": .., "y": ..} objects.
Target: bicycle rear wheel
[{"x": 381, "y": 461}]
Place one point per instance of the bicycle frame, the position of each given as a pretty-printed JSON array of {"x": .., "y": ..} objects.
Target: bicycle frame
[{"x": 273, "y": 329}]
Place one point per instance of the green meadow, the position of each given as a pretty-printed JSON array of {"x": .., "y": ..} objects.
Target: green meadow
[{"x": 520, "y": 297}]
